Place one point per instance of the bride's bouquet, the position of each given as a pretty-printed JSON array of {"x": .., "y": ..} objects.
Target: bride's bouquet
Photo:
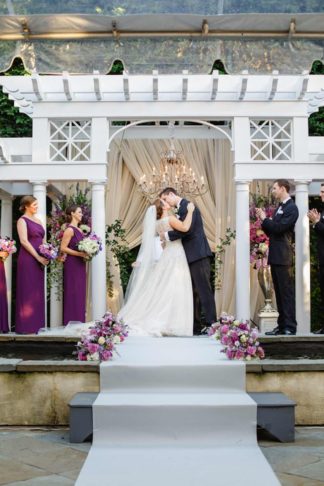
[
  {"x": 99, "y": 342},
  {"x": 91, "y": 245},
  {"x": 8, "y": 245},
  {"x": 239, "y": 338},
  {"x": 48, "y": 251}
]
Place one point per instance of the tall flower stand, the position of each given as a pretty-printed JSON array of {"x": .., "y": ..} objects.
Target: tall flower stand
[{"x": 268, "y": 315}]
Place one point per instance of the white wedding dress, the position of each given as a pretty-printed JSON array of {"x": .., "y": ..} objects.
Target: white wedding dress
[{"x": 159, "y": 298}]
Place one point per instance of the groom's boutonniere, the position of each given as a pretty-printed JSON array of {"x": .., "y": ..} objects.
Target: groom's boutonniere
[{"x": 176, "y": 212}]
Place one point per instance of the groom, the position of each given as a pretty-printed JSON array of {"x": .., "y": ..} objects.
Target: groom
[{"x": 198, "y": 254}]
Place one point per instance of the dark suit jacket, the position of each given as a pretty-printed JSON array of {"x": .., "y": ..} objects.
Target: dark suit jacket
[
  {"x": 280, "y": 230},
  {"x": 319, "y": 228},
  {"x": 194, "y": 241}
]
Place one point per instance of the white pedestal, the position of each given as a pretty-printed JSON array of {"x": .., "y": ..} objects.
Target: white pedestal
[{"x": 267, "y": 321}]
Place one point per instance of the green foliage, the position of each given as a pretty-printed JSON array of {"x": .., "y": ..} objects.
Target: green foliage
[
  {"x": 316, "y": 120},
  {"x": 116, "y": 242},
  {"x": 316, "y": 318},
  {"x": 219, "y": 255},
  {"x": 219, "y": 66},
  {"x": 12, "y": 122},
  {"x": 117, "y": 68}
]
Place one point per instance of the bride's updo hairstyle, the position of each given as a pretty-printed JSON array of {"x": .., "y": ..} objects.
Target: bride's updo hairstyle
[
  {"x": 159, "y": 208},
  {"x": 68, "y": 212}
]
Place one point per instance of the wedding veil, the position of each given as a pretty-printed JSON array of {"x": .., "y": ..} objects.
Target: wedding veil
[{"x": 146, "y": 259}]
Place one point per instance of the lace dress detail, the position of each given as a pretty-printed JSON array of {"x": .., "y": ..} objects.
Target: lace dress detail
[{"x": 165, "y": 306}]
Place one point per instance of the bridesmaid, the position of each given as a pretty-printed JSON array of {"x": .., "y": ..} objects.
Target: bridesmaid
[
  {"x": 4, "y": 324},
  {"x": 30, "y": 298},
  {"x": 74, "y": 295}
]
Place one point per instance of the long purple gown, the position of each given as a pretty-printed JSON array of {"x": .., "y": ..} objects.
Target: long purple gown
[
  {"x": 30, "y": 297},
  {"x": 74, "y": 296},
  {"x": 4, "y": 325}
]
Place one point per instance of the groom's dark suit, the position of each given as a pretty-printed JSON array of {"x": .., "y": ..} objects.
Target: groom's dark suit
[
  {"x": 280, "y": 230},
  {"x": 198, "y": 254}
]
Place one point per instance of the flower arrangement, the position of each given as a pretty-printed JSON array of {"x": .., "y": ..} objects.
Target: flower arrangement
[
  {"x": 91, "y": 245},
  {"x": 99, "y": 342},
  {"x": 259, "y": 245},
  {"x": 239, "y": 338},
  {"x": 259, "y": 241},
  {"x": 8, "y": 245},
  {"x": 48, "y": 251}
]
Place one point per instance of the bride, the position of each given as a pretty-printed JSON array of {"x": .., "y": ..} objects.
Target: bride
[{"x": 158, "y": 299}]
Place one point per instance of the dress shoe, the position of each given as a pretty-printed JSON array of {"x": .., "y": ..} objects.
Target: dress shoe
[
  {"x": 319, "y": 331},
  {"x": 288, "y": 332},
  {"x": 274, "y": 332}
]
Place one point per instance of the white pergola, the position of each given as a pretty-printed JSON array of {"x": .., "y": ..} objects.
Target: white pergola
[{"x": 266, "y": 122}]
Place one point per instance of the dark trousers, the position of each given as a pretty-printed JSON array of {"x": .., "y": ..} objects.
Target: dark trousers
[
  {"x": 202, "y": 292},
  {"x": 321, "y": 282},
  {"x": 285, "y": 296}
]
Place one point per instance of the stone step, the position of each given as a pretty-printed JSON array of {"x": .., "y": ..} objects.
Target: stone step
[
  {"x": 275, "y": 414},
  {"x": 227, "y": 377},
  {"x": 166, "y": 418}
]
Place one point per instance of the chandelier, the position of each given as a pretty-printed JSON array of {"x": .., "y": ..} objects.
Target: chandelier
[{"x": 173, "y": 172}]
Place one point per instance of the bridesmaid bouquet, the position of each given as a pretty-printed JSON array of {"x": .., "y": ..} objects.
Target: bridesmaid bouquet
[
  {"x": 8, "y": 245},
  {"x": 48, "y": 251},
  {"x": 239, "y": 338},
  {"x": 91, "y": 245},
  {"x": 99, "y": 342}
]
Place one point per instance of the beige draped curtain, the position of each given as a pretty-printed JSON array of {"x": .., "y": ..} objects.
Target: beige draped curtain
[{"x": 210, "y": 158}]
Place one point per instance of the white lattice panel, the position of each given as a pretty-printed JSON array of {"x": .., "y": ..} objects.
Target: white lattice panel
[
  {"x": 70, "y": 140},
  {"x": 271, "y": 139}
]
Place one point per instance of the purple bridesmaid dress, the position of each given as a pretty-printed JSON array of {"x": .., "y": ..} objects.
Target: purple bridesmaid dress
[
  {"x": 74, "y": 296},
  {"x": 30, "y": 297},
  {"x": 4, "y": 325}
]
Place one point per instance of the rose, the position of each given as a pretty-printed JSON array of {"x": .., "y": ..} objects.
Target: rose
[{"x": 101, "y": 340}]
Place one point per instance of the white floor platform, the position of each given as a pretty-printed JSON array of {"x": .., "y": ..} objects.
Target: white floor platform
[{"x": 174, "y": 412}]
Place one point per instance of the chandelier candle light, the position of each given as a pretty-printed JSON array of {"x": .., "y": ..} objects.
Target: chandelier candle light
[{"x": 173, "y": 172}]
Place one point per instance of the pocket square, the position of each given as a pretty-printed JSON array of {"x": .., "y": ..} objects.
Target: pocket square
[{"x": 280, "y": 211}]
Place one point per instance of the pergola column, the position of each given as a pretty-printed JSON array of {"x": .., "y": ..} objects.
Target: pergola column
[
  {"x": 302, "y": 259},
  {"x": 98, "y": 264},
  {"x": 39, "y": 191},
  {"x": 6, "y": 230},
  {"x": 242, "y": 266},
  {"x": 56, "y": 305}
]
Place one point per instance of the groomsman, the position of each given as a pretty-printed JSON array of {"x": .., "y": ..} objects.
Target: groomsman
[
  {"x": 280, "y": 230},
  {"x": 317, "y": 219}
]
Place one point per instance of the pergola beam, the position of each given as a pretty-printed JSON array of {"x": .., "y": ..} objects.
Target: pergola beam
[{"x": 66, "y": 86}]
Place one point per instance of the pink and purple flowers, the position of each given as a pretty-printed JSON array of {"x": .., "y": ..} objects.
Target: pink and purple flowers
[
  {"x": 239, "y": 338},
  {"x": 99, "y": 342},
  {"x": 48, "y": 251},
  {"x": 259, "y": 245},
  {"x": 91, "y": 245},
  {"x": 8, "y": 245}
]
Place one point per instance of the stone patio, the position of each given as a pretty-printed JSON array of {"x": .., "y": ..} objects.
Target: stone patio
[{"x": 34, "y": 456}]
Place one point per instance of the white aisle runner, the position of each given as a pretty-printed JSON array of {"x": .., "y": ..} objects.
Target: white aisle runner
[{"x": 174, "y": 412}]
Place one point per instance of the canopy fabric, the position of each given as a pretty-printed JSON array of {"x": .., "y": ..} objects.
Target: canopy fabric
[
  {"x": 167, "y": 56},
  {"x": 162, "y": 36},
  {"x": 126, "y": 7}
]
